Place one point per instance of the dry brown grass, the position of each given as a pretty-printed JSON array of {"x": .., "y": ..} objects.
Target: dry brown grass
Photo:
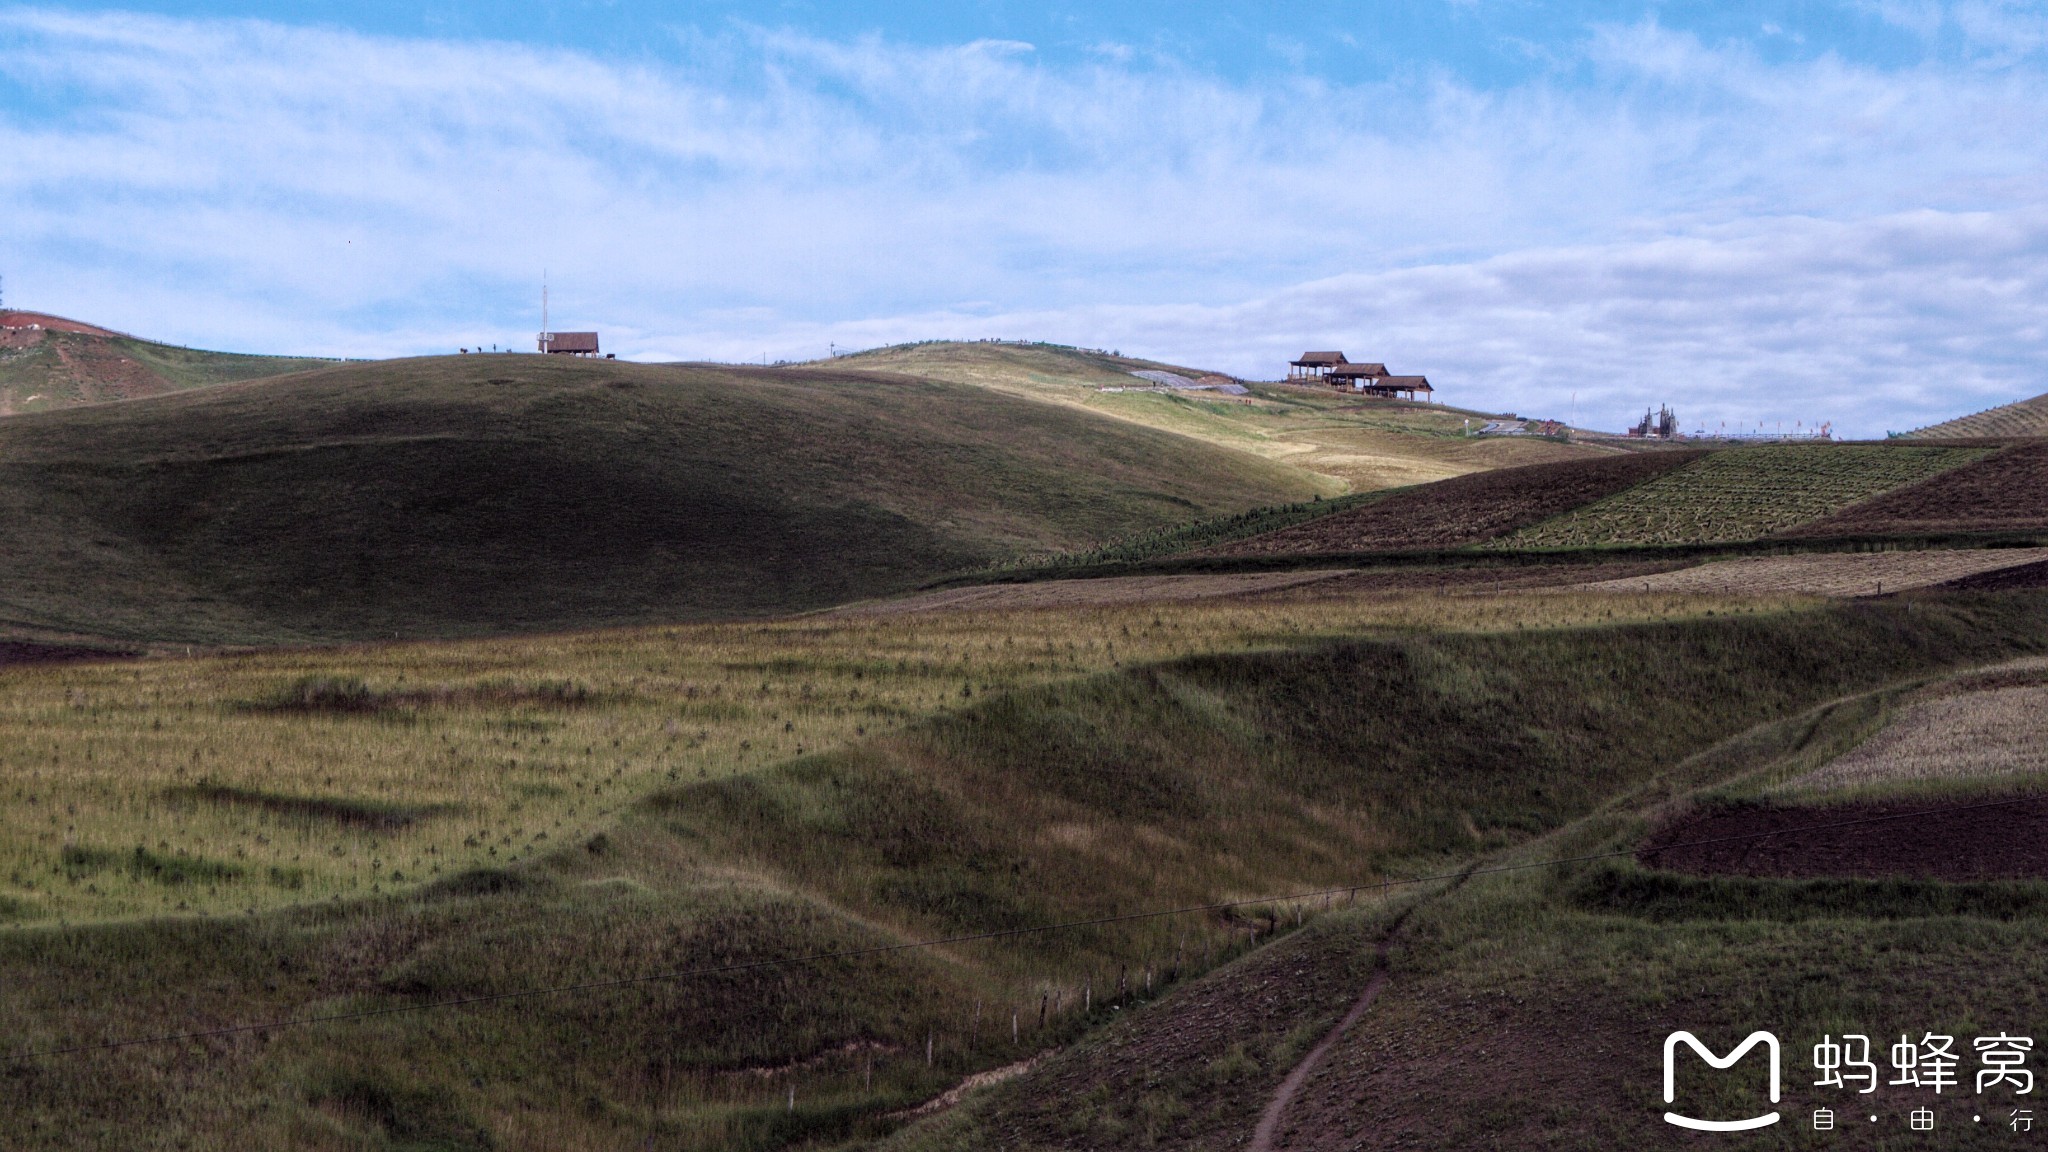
[
  {"x": 1988, "y": 725},
  {"x": 1823, "y": 574}
]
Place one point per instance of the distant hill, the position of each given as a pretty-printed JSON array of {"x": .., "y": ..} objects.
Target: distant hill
[
  {"x": 2022, "y": 418},
  {"x": 493, "y": 493},
  {"x": 49, "y": 362},
  {"x": 1352, "y": 444}
]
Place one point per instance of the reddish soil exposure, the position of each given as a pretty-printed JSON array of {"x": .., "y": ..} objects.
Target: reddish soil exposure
[
  {"x": 2007, "y": 492},
  {"x": 105, "y": 373},
  {"x": 16, "y": 319},
  {"x": 1955, "y": 840},
  {"x": 2033, "y": 575},
  {"x": 1465, "y": 509}
]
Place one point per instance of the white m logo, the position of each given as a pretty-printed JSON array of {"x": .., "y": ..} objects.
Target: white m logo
[{"x": 1671, "y": 1079}]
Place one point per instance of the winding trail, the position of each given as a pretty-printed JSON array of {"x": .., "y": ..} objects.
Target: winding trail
[
  {"x": 1268, "y": 1130},
  {"x": 1276, "y": 1108}
]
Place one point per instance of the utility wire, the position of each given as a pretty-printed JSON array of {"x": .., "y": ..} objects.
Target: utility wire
[{"x": 885, "y": 949}]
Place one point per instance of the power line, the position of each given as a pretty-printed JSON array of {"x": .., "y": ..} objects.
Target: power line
[{"x": 885, "y": 949}]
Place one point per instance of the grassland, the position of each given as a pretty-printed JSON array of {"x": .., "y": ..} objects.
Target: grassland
[
  {"x": 1218, "y": 750},
  {"x": 459, "y": 495},
  {"x": 1742, "y": 494},
  {"x": 1349, "y": 444},
  {"x": 1527, "y": 1009},
  {"x": 292, "y": 776}
]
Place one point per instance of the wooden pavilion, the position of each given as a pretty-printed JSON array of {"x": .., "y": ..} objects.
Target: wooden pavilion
[{"x": 1314, "y": 365}]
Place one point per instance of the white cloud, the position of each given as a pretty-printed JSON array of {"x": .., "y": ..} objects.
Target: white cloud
[
  {"x": 1876, "y": 325},
  {"x": 1658, "y": 220}
]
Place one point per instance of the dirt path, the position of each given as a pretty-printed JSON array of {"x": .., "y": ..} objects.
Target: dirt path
[
  {"x": 1276, "y": 1108},
  {"x": 1102, "y": 592}
]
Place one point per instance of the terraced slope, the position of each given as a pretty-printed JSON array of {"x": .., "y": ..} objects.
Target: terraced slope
[
  {"x": 1743, "y": 494},
  {"x": 48, "y": 362},
  {"x": 2004, "y": 492},
  {"x": 2022, "y": 418},
  {"x": 1464, "y": 510},
  {"x": 470, "y": 494},
  {"x": 1348, "y": 444}
]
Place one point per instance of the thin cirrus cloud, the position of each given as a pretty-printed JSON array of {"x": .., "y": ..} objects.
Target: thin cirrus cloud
[{"x": 1654, "y": 218}]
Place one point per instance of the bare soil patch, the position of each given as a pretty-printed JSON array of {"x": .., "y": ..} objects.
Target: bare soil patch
[
  {"x": 2006, "y": 492},
  {"x": 1825, "y": 574},
  {"x": 1466, "y": 509},
  {"x": 1087, "y": 593},
  {"x": 2033, "y": 575},
  {"x": 1920, "y": 839},
  {"x": 14, "y": 652}
]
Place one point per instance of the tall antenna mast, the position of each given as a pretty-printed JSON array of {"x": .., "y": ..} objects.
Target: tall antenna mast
[{"x": 543, "y": 309}]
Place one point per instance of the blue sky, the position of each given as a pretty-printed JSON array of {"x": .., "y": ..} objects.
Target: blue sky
[{"x": 1754, "y": 212}]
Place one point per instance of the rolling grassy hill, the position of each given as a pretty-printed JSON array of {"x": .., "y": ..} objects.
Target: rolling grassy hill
[
  {"x": 472, "y": 494},
  {"x": 1349, "y": 444},
  {"x": 48, "y": 362},
  {"x": 1224, "y": 773},
  {"x": 1526, "y": 1009}
]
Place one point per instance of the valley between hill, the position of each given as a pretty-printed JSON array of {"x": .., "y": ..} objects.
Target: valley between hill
[{"x": 631, "y": 845}]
